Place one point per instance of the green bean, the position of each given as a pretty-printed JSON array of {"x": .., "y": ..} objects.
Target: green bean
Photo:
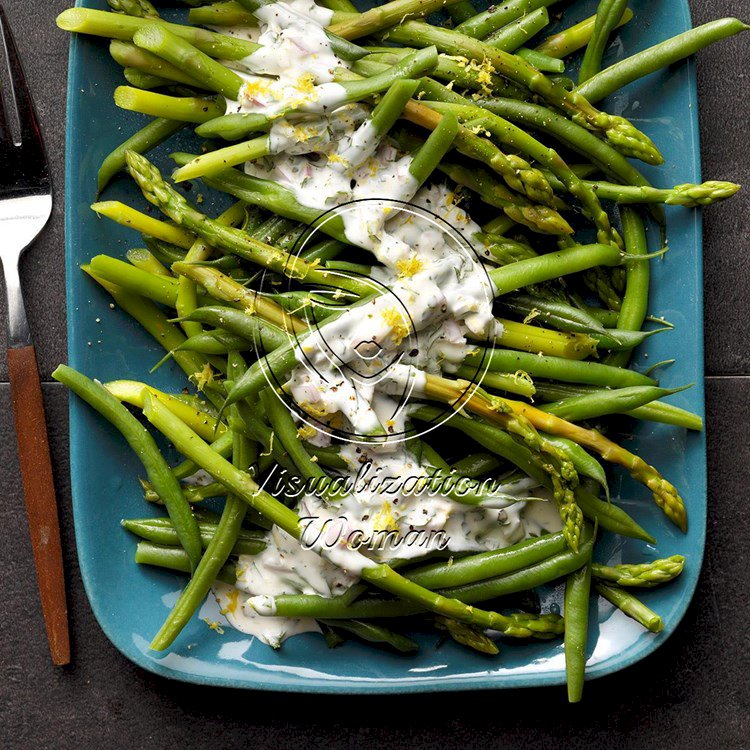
[
  {"x": 161, "y": 531},
  {"x": 217, "y": 551},
  {"x": 484, "y": 565},
  {"x": 577, "y": 591},
  {"x": 569, "y": 40},
  {"x": 340, "y": 6},
  {"x": 144, "y": 446},
  {"x": 631, "y": 606},
  {"x": 323, "y": 251},
  {"x": 214, "y": 342},
  {"x": 372, "y": 633},
  {"x": 175, "y": 558},
  {"x": 659, "y": 56},
  {"x": 249, "y": 327},
  {"x": 480, "y": 25},
  {"x": 461, "y": 11},
  {"x": 578, "y": 258},
  {"x": 656, "y": 411},
  {"x": 177, "y": 108},
  {"x": 540, "y": 61},
  {"x": 515, "y": 34},
  {"x": 436, "y": 146},
  {"x": 285, "y": 430},
  {"x": 565, "y": 317},
  {"x": 557, "y": 368},
  {"x": 389, "y": 108},
  {"x": 476, "y": 464},
  {"x": 602, "y": 403},
  {"x": 113, "y": 26},
  {"x": 528, "y": 577},
  {"x": 194, "y": 494},
  {"x": 608, "y": 16},
  {"x": 329, "y": 456},
  {"x": 135, "y": 58},
  {"x": 166, "y": 252},
  {"x": 143, "y": 141},
  {"x": 606, "y": 317},
  {"x": 635, "y": 300},
  {"x": 340, "y": 608}
]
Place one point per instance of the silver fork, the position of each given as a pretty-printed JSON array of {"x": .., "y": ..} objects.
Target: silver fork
[{"x": 25, "y": 208}]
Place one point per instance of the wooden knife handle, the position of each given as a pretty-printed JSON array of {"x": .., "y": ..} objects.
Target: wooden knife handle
[{"x": 39, "y": 490}]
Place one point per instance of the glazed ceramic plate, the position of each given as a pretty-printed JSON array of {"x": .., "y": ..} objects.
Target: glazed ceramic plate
[{"x": 130, "y": 602}]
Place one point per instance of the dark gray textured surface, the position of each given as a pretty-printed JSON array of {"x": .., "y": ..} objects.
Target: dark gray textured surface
[{"x": 693, "y": 692}]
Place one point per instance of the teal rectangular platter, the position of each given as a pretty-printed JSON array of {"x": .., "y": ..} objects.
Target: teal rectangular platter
[{"x": 131, "y": 602}]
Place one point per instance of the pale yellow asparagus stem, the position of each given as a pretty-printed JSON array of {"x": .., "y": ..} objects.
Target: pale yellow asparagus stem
[{"x": 130, "y": 217}]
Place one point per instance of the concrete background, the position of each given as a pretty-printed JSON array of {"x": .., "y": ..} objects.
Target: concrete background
[{"x": 693, "y": 692}]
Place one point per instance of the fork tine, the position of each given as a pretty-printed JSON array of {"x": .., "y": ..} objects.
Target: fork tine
[
  {"x": 26, "y": 136},
  {"x": 21, "y": 103}
]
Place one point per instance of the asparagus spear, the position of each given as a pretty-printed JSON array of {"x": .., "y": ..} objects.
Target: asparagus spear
[
  {"x": 138, "y": 8},
  {"x": 617, "y": 130},
  {"x": 631, "y": 606},
  {"x": 665, "y": 494},
  {"x": 166, "y": 198},
  {"x": 644, "y": 575},
  {"x": 562, "y": 473}
]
